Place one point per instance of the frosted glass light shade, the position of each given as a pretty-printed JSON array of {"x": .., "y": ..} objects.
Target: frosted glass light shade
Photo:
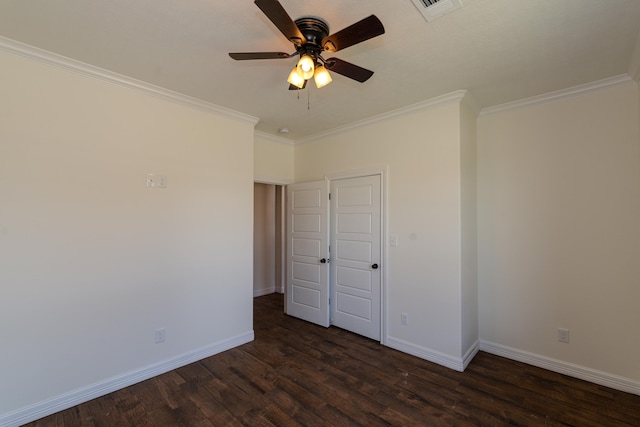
[
  {"x": 306, "y": 67},
  {"x": 322, "y": 77},
  {"x": 296, "y": 79}
]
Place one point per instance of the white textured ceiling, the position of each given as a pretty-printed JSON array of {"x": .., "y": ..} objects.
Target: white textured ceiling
[{"x": 499, "y": 50}]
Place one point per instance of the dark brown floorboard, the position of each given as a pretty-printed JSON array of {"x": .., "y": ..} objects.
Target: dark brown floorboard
[{"x": 296, "y": 373}]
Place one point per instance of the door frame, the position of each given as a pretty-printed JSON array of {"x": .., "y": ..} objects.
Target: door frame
[{"x": 382, "y": 171}]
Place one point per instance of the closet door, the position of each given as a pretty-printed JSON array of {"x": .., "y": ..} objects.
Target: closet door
[
  {"x": 308, "y": 252},
  {"x": 356, "y": 255}
]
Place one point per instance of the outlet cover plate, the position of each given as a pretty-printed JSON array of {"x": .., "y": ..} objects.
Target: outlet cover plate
[{"x": 563, "y": 335}]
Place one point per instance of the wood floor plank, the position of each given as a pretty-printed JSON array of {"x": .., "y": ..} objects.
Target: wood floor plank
[{"x": 298, "y": 374}]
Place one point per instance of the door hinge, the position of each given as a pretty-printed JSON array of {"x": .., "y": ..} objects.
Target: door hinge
[{"x": 329, "y": 196}]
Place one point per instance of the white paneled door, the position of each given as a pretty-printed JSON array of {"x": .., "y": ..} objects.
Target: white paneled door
[
  {"x": 334, "y": 254},
  {"x": 355, "y": 224},
  {"x": 308, "y": 252}
]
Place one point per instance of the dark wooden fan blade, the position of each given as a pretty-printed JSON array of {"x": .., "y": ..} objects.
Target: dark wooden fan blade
[
  {"x": 281, "y": 19},
  {"x": 242, "y": 56},
  {"x": 348, "y": 69},
  {"x": 366, "y": 29}
]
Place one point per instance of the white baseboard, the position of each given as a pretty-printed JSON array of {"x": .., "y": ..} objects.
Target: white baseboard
[
  {"x": 455, "y": 363},
  {"x": 264, "y": 291},
  {"x": 84, "y": 394},
  {"x": 470, "y": 354},
  {"x": 581, "y": 372}
]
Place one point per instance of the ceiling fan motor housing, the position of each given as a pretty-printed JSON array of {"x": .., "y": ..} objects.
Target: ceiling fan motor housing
[{"x": 314, "y": 30}]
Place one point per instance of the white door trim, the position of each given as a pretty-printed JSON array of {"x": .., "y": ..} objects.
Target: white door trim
[
  {"x": 384, "y": 277},
  {"x": 274, "y": 181}
]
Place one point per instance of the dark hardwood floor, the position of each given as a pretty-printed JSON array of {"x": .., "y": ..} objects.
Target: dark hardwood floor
[{"x": 295, "y": 373}]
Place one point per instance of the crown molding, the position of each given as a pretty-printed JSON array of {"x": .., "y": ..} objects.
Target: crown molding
[
  {"x": 567, "y": 93},
  {"x": 274, "y": 138},
  {"x": 52, "y": 59},
  {"x": 452, "y": 97}
]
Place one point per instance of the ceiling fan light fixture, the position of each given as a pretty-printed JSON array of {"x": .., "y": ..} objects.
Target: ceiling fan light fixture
[
  {"x": 321, "y": 77},
  {"x": 310, "y": 37},
  {"x": 296, "y": 79},
  {"x": 305, "y": 67}
]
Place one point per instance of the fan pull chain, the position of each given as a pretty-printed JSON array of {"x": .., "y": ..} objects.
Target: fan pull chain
[{"x": 308, "y": 100}]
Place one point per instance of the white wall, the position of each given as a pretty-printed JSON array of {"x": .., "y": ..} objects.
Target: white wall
[
  {"x": 422, "y": 152},
  {"x": 273, "y": 159},
  {"x": 559, "y": 231},
  {"x": 91, "y": 261}
]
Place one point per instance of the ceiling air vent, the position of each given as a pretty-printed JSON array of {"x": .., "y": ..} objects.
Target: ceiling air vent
[{"x": 434, "y": 9}]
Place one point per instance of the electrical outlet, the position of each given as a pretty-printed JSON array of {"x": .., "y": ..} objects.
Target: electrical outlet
[
  {"x": 151, "y": 180},
  {"x": 563, "y": 335},
  {"x": 160, "y": 335},
  {"x": 404, "y": 319}
]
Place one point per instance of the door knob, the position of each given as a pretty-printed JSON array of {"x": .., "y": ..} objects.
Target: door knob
[
  {"x": 374, "y": 266},
  {"x": 323, "y": 261}
]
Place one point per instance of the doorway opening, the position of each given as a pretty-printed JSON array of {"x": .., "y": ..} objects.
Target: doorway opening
[{"x": 268, "y": 239}]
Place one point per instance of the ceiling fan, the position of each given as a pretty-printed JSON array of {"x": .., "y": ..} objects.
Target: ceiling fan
[{"x": 310, "y": 37}]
